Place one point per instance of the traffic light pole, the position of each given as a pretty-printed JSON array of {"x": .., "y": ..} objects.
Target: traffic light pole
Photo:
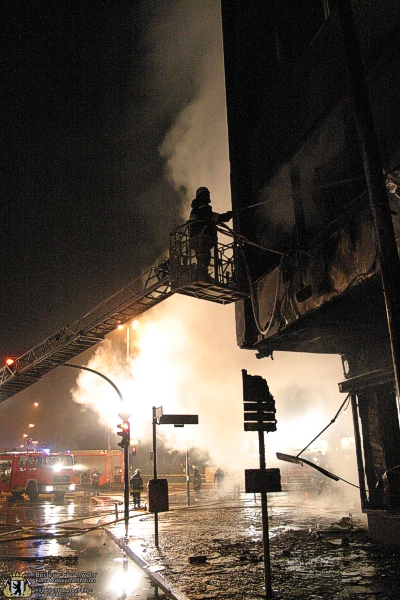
[{"x": 126, "y": 483}]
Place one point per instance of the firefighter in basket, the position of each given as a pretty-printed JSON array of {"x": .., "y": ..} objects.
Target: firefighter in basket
[{"x": 203, "y": 230}]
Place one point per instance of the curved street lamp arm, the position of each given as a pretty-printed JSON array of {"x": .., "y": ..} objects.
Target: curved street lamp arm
[{"x": 96, "y": 373}]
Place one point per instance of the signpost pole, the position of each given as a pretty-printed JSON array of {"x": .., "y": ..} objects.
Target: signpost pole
[
  {"x": 264, "y": 513},
  {"x": 155, "y": 471},
  {"x": 187, "y": 478},
  {"x": 259, "y": 415},
  {"x": 178, "y": 421}
]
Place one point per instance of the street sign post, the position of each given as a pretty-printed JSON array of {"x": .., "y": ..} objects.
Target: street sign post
[
  {"x": 177, "y": 421},
  {"x": 259, "y": 415}
]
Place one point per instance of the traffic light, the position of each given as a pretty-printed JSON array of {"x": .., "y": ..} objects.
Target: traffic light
[
  {"x": 125, "y": 433},
  {"x": 133, "y": 451}
]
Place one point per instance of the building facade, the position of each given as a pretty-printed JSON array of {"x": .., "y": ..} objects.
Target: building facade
[{"x": 314, "y": 142}]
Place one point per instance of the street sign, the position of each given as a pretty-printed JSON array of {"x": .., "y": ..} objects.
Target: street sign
[
  {"x": 268, "y": 427},
  {"x": 158, "y": 495},
  {"x": 158, "y": 412},
  {"x": 178, "y": 420},
  {"x": 268, "y": 405},
  {"x": 259, "y": 481},
  {"x": 258, "y": 404},
  {"x": 253, "y": 416}
]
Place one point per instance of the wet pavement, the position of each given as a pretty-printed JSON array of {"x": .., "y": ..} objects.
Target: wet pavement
[
  {"x": 40, "y": 541},
  {"x": 213, "y": 550},
  {"x": 210, "y": 550}
]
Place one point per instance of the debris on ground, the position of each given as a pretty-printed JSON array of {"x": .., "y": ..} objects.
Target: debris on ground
[{"x": 314, "y": 555}]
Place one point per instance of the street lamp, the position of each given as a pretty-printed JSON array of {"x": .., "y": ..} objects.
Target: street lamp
[
  {"x": 124, "y": 416},
  {"x": 135, "y": 326}
]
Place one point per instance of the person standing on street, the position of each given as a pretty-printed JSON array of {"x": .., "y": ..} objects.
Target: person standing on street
[
  {"x": 219, "y": 477},
  {"x": 96, "y": 481},
  {"x": 136, "y": 483},
  {"x": 197, "y": 482},
  {"x": 85, "y": 481}
]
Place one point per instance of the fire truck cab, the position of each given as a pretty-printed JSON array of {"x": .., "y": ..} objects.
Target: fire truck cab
[{"x": 34, "y": 473}]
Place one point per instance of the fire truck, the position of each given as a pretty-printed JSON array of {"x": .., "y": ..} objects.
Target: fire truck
[
  {"x": 110, "y": 463},
  {"x": 34, "y": 473}
]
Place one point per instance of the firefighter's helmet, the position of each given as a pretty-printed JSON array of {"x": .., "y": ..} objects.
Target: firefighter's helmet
[{"x": 203, "y": 192}]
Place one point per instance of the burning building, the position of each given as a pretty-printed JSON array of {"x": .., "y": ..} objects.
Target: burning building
[{"x": 315, "y": 174}]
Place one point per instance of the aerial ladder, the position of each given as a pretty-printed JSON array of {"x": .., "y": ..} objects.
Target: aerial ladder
[{"x": 176, "y": 274}]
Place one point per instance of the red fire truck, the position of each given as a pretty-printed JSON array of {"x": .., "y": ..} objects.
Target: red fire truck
[
  {"x": 34, "y": 473},
  {"x": 110, "y": 463}
]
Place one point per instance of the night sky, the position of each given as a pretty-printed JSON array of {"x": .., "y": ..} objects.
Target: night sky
[{"x": 85, "y": 205}]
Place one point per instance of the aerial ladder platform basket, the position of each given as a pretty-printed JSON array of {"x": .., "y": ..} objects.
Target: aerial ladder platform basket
[{"x": 220, "y": 284}]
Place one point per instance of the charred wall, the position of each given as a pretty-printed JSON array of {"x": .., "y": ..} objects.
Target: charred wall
[
  {"x": 300, "y": 191},
  {"x": 295, "y": 154}
]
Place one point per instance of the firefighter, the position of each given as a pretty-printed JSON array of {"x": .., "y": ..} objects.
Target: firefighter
[
  {"x": 136, "y": 484},
  {"x": 85, "y": 481},
  {"x": 236, "y": 486},
  {"x": 197, "y": 482},
  {"x": 202, "y": 230},
  {"x": 96, "y": 481},
  {"x": 219, "y": 477}
]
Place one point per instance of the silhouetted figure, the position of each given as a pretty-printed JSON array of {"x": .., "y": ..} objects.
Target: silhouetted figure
[
  {"x": 96, "y": 481},
  {"x": 236, "y": 487},
  {"x": 203, "y": 231},
  {"x": 197, "y": 482},
  {"x": 136, "y": 483},
  {"x": 219, "y": 477},
  {"x": 85, "y": 481}
]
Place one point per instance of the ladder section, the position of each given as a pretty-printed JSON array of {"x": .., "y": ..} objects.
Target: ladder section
[{"x": 140, "y": 295}]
